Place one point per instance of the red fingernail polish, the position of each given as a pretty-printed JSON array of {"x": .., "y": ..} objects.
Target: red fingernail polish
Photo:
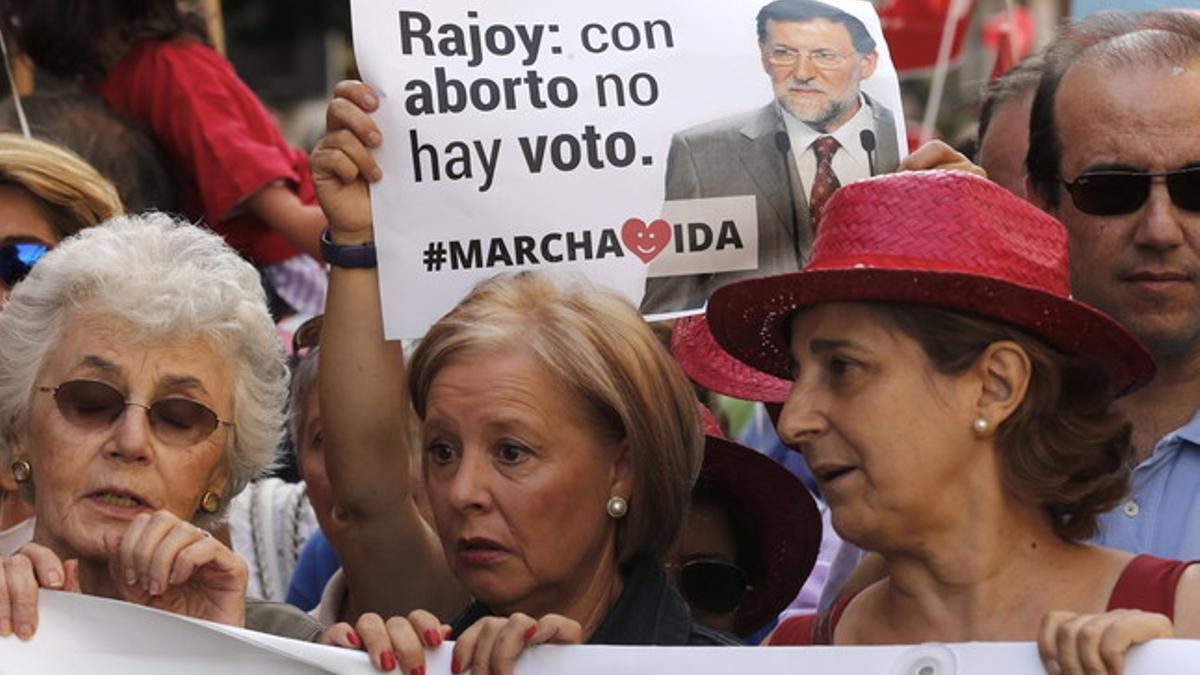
[
  {"x": 455, "y": 667},
  {"x": 529, "y": 633},
  {"x": 387, "y": 661},
  {"x": 419, "y": 670},
  {"x": 353, "y": 639},
  {"x": 432, "y": 639}
]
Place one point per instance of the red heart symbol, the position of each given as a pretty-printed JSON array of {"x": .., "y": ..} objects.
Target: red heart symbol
[{"x": 646, "y": 241}]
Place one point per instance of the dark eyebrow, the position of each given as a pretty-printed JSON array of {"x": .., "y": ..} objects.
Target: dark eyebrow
[{"x": 821, "y": 345}]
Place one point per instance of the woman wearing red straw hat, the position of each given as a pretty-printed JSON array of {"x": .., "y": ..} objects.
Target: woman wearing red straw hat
[
  {"x": 750, "y": 538},
  {"x": 956, "y": 408}
]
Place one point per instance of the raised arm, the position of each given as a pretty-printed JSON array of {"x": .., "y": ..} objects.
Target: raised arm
[{"x": 393, "y": 560}]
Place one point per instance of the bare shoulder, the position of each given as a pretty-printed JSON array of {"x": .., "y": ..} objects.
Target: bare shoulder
[{"x": 1187, "y": 604}]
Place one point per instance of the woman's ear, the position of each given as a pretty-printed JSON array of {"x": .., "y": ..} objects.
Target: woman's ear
[
  {"x": 218, "y": 479},
  {"x": 7, "y": 482},
  {"x": 622, "y": 478},
  {"x": 1004, "y": 369},
  {"x": 14, "y": 452}
]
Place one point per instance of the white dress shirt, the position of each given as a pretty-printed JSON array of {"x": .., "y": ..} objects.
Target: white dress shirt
[{"x": 849, "y": 162}]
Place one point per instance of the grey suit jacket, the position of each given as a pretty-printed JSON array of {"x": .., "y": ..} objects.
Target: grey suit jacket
[{"x": 740, "y": 155}]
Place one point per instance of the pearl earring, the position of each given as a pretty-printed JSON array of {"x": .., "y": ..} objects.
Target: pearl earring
[
  {"x": 616, "y": 507},
  {"x": 980, "y": 425}
]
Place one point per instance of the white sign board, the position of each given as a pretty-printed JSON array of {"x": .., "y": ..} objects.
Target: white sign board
[
  {"x": 534, "y": 134},
  {"x": 84, "y": 634}
]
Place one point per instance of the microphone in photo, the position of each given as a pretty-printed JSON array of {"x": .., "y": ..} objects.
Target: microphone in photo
[
  {"x": 867, "y": 138},
  {"x": 784, "y": 144}
]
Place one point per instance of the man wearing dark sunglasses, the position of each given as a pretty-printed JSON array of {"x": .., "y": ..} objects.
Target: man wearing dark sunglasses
[{"x": 1115, "y": 154}]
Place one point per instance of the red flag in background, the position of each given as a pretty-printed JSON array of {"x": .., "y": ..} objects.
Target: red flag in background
[
  {"x": 1010, "y": 36},
  {"x": 913, "y": 29}
]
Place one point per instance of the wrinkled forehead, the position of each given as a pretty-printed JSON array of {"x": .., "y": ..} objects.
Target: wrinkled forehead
[{"x": 1136, "y": 115}]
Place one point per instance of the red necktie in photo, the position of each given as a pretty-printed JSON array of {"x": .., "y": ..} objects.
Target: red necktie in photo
[{"x": 825, "y": 181}]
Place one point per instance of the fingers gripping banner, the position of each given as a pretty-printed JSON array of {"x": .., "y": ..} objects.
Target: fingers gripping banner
[{"x": 84, "y": 634}]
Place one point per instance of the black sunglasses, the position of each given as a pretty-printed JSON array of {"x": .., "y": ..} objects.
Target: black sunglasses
[
  {"x": 176, "y": 421},
  {"x": 17, "y": 259},
  {"x": 1116, "y": 192},
  {"x": 712, "y": 586}
]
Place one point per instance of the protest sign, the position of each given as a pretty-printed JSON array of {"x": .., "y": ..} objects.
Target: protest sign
[
  {"x": 530, "y": 134},
  {"x": 85, "y": 634}
]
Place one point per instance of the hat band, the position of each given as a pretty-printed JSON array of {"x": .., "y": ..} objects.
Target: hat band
[{"x": 1048, "y": 282}]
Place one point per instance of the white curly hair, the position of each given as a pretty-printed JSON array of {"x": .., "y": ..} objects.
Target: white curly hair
[{"x": 171, "y": 280}]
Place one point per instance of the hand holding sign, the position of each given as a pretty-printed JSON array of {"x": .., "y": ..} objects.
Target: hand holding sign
[
  {"x": 21, "y": 575},
  {"x": 167, "y": 563},
  {"x": 1096, "y": 643},
  {"x": 342, "y": 164},
  {"x": 161, "y": 561},
  {"x": 400, "y": 641},
  {"x": 492, "y": 644}
]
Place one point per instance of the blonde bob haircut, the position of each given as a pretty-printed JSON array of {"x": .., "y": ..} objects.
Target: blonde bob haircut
[
  {"x": 72, "y": 194},
  {"x": 170, "y": 280},
  {"x": 597, "y": 345}
]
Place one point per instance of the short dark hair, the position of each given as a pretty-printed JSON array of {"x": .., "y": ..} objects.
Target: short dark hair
[
  {"x": 1019, "y": 80},
  {"x": 1065, "y": 447},
  {"x": 115, "y": 147},
  {"x": 67, "y": 37},
  {"x": 808, "y": 10},
  {"x": 1167, "y": 36}
]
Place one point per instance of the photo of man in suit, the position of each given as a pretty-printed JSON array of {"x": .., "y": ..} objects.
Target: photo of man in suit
[{"x": 819, "y": 133}]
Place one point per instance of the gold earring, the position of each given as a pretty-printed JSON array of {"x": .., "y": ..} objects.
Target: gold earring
[
  {"x": 210, "y": 502},
  {"x": 22, "y": 471}
]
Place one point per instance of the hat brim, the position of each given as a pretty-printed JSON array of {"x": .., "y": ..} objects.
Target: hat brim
[
  {"x": 785, "y": 518},
  {"x": 713, "y": 368},
  {"x": 750, "y": 318}
]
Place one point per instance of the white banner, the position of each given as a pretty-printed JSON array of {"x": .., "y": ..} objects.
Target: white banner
[
  {"x": 84, "y": 634},
  {"x": 525, "y": 134}
]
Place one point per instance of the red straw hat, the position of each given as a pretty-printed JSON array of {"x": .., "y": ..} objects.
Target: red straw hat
[
  {"x": 941, "y": 238},
  {"x": 713, "y": 368},
  {"x": 781, "y": 512}
]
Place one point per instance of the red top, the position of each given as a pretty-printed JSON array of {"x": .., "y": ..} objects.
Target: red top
[
  {"x": 1147, "y": 583},
  {"x": 222, "y": 143}
]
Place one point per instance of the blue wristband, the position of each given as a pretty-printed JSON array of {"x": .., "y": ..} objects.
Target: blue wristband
[{"x": 359, "y": 256}]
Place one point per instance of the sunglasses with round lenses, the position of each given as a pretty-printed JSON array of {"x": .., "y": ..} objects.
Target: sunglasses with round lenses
[
  {"x": 176, "y": 421},
  {"x": 1114, "y": 193},
  {"x": 16, "y": 260},
  {"x": 713, "y": 586}
]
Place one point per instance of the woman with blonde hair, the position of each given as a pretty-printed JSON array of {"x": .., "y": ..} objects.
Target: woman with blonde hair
[
  {"x": 559, "y": 442},
  {"x": 47, "y": 193}
]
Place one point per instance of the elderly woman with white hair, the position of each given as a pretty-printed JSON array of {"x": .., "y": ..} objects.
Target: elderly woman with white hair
[{"x": 141, "y": 386}]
